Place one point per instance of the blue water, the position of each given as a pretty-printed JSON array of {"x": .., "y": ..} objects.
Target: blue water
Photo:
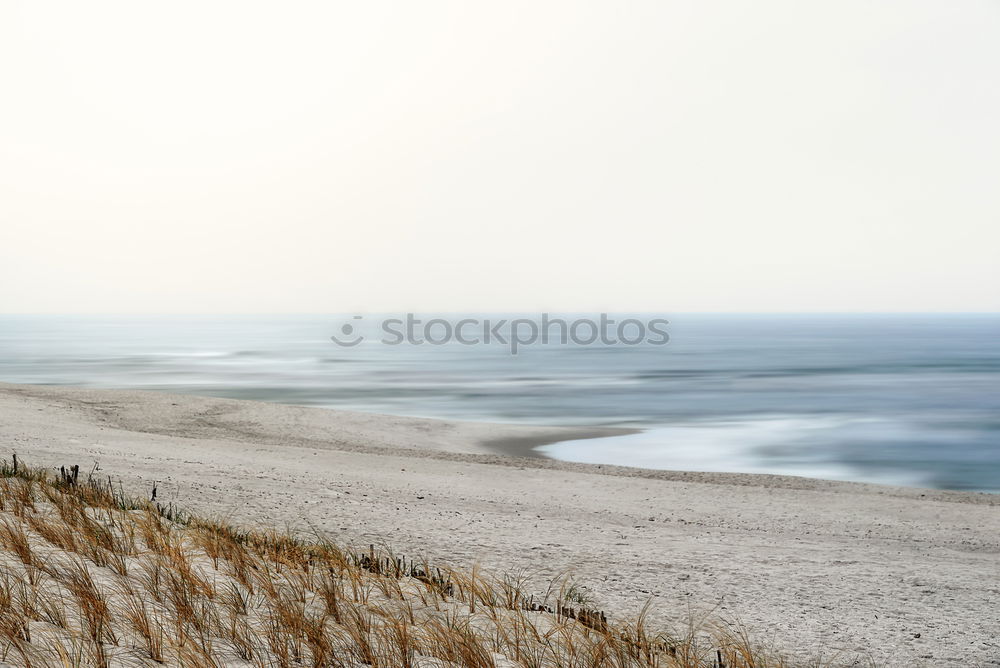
[{"x": 903, "y": 399}]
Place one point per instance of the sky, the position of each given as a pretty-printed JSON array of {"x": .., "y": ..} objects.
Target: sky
[{"x": 268, "y": 157}]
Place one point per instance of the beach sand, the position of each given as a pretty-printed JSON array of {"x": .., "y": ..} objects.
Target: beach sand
[{"x": 812, "y": 567}]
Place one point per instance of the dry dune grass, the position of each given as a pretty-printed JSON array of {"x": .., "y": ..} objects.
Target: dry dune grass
[{"x": 92, "y": 577}]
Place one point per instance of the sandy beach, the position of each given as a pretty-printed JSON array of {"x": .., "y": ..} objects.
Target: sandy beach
[{"x": 904, "y": 576}]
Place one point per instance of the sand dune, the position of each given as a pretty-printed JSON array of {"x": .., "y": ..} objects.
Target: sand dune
[{"x": 816, "y": 566}]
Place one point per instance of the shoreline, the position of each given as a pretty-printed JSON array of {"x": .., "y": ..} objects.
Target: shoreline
[
  {"x": 821, "y": 567},
  {"x": 504, "y": 444},
  {"x": 527, "y": 446}
]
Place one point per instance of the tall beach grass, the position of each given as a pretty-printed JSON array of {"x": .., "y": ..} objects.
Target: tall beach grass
[{"x": 91, "y": 576}]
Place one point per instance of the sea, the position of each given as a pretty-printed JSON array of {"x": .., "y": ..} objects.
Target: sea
[{"x": 901, "y": 399}]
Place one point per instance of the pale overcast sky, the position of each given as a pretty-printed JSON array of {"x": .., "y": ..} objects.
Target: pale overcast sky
[{"x": 663, "y": 156}]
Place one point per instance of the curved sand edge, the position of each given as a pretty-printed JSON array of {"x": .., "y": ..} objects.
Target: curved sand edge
[
  {"x": 817, "y": 566},
  {"x": 193, "y": 416}
]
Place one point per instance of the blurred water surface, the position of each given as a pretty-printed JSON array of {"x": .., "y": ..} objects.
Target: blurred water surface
[{"x": 907, "y": 399}]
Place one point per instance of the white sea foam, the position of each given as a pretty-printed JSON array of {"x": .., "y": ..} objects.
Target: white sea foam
[{"x": 786, "y": 445}]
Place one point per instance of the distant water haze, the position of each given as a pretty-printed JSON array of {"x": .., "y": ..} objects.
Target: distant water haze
[{"x": 898, "y": 399}]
